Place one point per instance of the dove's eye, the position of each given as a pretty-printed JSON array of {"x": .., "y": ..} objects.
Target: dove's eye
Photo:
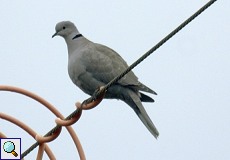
[{"x": 63, "y": 27}]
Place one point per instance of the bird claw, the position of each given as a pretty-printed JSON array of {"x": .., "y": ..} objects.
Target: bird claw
[
  {"x": 94, "y": 100},
  {"x": 99, "y": 92}
]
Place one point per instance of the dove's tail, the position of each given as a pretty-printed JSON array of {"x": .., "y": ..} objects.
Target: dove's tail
[{"x": 135, "y": 103}]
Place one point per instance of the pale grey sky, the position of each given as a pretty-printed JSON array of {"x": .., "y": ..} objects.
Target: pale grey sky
[{"x": 190, "y": 73}]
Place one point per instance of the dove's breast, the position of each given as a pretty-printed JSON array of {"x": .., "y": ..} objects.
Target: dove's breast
[
  {"x": 75, "y": 68},
  {"x": 78, "y": 68}
]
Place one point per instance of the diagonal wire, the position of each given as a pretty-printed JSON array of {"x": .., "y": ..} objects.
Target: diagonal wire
[
  {"x": 159, "y": 44},
  {"x": 97, "y": 93}
]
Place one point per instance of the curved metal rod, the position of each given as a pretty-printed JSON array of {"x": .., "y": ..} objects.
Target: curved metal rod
[
  {"x": 26, "y": 128},
  {"x": 95, "y": 102},
  {"x": 41, "y": 151},
  {"x": 52, "y": 109},
  {"x": 73, "y": 120},
  {"x": 42, "y": 139}
]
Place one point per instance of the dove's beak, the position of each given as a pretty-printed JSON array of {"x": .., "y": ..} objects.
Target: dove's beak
[{"x": 54, "y": 34}]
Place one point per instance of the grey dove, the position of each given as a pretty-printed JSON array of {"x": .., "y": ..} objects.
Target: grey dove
[{"x": 91, "y": 65}]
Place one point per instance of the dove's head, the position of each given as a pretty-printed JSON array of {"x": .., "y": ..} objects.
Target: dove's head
[{"x": 65, "y": 29}]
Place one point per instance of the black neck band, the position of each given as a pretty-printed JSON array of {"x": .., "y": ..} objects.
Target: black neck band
[{"x": 77, "y": 36}]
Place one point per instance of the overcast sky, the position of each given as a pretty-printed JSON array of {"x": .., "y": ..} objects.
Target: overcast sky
[{"x": 190, "y": 73}]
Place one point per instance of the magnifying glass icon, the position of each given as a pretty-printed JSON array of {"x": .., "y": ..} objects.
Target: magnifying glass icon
[{"x": 9, "y": 147}]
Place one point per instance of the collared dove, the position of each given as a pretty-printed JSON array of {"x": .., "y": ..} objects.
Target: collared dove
[{"x": 91, "y": 65}]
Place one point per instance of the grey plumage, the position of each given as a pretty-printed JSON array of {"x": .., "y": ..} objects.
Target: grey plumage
[{"x": 91, "y": 65}]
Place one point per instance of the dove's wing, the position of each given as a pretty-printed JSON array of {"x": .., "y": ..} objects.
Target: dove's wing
[
  {"x": 98, "y": 65},
  {"x": 104, "y": 64},
  {"x": 116, "y": 66}
]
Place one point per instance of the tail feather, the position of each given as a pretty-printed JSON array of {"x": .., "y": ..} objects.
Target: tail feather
[
  {"x": 141, "y": 87},
  {"x": 145, "y": 98},
  {"x": 144, "y": 88},
  {"x": 136, "y": 104}
]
